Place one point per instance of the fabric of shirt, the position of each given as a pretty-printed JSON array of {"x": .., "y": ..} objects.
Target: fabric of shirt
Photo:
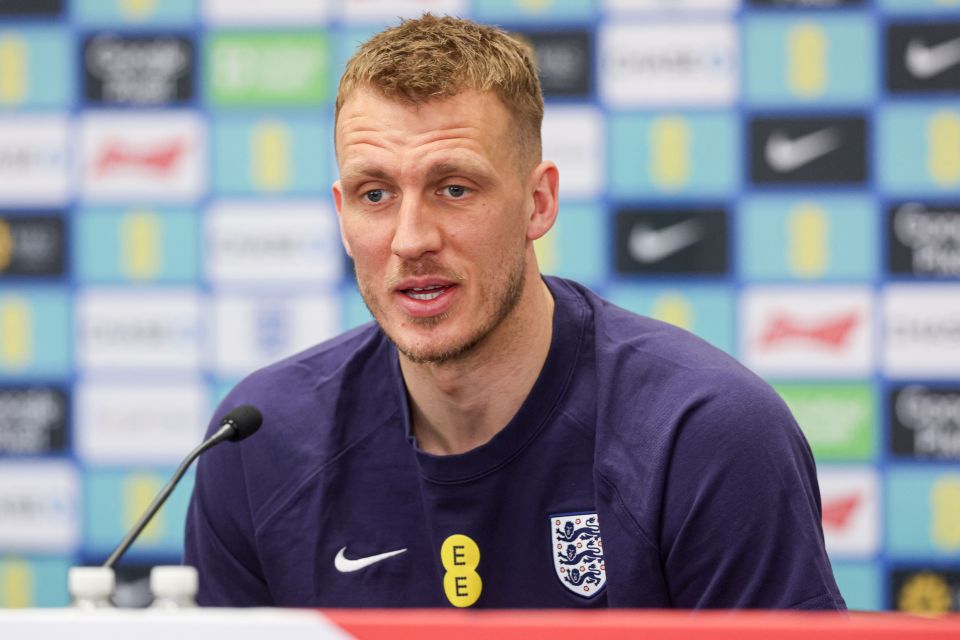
[{"x": 679, "y": 478}]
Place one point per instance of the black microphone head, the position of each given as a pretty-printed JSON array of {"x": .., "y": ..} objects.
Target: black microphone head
[{"x": 245, "y": 420}]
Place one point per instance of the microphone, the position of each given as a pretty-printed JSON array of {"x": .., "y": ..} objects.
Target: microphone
[{"x": 242, "y": 422}]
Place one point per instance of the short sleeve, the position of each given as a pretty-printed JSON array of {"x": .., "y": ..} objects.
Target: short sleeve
[
  {"x": 219, "y": 537},
  {"x": 741, "y": 509}
]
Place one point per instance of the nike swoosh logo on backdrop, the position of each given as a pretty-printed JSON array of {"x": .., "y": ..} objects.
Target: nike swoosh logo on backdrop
[
  {"x": 925, "y": 62},
  {"x": 786, "y": 154},
  {"x": 347, "y": 565},
  {"x": 652, "y": 245}
]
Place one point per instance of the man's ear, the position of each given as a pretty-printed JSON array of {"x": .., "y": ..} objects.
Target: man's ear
[
  {"x": 544, "y": 198},
  {"x": 338, "y": 205}
]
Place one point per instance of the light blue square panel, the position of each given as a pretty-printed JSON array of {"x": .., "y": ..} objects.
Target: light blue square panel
[
  {"x": 35, "y": 332},
  {"x": 34, "y": 581},
  {"x": 116, "y": 498},
  {"x": 807, "y": 237},
  {"x": 36, "y": 67},
  {"x": 679, "y": 155},
  {"x": 861, "y": 585},
  {"x": 535, "y": 10},
  {"x": 577, "y": 245},
  {"x": 136, "y": 245},
  {"x": 271, "y": 155},
  {"x": 809, "y": 59},
  {"x": 940, "y": 7},
  {"x": 147, "y": 13},
  {"x": 918, "y": 149},
  {"x": 703, "y": 309},
  {"x": 923, "y": 512}
]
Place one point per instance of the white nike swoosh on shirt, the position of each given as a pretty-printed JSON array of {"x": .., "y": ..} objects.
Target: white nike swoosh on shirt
[
  {"x": 925, "y": 62},
  {"x": 648, "y": 245},
  {"x": 786, "y": 154},
  {"x": 346, "y": 565}
]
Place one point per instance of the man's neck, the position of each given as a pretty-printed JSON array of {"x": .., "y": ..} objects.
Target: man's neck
[{"x": 457, "y": 406}]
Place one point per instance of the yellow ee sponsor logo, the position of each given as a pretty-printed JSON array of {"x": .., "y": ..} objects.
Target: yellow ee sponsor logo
[
  {"x": 670, "y": 142},
  {"x": 16, "y": 334},
  {"x": 13, "y": 69},
  {"x": 138, "y": 492},
  {"x": 807, "y": 229},
  {"x": 945, "y": 510},
  {"x": 270, "y": 159},
  {"x": 141, "y": 242},
  {"x": 807, "y": 68},
  {"x": 943, "y": 148},
  {"x": 17, "y": 584},
  {"x": 924, "y": 592},
  {"x": 461, "y": 557}
]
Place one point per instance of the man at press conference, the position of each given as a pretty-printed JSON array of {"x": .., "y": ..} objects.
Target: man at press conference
[{"x": 497, "y": 438}]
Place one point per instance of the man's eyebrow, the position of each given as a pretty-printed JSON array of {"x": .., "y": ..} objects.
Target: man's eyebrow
[
  {"x": 465, "y": 168},
  {"x": 440, "y": 170},
  {"x": 364, "y": 171}
]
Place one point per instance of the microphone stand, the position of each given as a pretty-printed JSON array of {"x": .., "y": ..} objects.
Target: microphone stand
[{"x": 224, "y": 433}]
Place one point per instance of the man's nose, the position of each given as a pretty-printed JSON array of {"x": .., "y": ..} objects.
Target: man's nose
[{"x": 417, "y": 231}]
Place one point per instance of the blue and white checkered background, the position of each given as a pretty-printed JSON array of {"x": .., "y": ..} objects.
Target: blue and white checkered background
[{"x": 781, "y": 177}]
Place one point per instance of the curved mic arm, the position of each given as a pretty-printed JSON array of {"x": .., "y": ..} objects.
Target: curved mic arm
[{"x": 224, "y": 433}]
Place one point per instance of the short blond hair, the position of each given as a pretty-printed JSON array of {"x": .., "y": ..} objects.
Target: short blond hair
[{"x": 432, "y": 57}]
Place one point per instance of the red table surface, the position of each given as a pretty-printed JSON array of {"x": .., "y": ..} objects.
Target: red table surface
[{"x": 376, "y": 624}]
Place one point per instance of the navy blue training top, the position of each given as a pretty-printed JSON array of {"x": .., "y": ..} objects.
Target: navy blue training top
[{"x": 646, "y": 468}]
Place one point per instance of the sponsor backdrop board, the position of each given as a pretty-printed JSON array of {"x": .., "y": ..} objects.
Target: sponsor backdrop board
[{"x": 781, "y": 177}]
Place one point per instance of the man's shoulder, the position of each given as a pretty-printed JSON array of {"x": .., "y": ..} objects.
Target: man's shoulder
[
  {"x": 329, "y": 357},
  {"x": 634, "y": 345},
  {"x": 309, "y": 393},
  {"x": 315, "y": 405},
  {"x": 656, "y": 382}
]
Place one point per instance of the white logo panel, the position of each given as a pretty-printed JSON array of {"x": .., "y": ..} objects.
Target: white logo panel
[
  {"x": 125, "y": 156},
  {"x": 816, "y": 331},
  {"x": 259, "y": 13},
  {"x": 33, "y": 160},
  {"x": 122, "y": 424},
  {"x": 573, "y": 138},
  {"x": 39, "y": 506},
  {"x": 921, "y": 330},
  {"x": 850, "y": 497},
  {"x": 269, "y": 241},
  {"x": 253, "y": 331},
  {"x": 138, "y": 329},
  {"x": 676, "y": 64}
]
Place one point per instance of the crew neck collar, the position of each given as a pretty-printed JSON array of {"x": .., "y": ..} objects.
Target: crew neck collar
[{"x": 566, "y": 340}]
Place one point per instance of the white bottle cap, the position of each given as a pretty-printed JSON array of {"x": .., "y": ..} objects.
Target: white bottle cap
[
  {"x": 90, "y": 582},
  {"x": 174, "y": 582}
]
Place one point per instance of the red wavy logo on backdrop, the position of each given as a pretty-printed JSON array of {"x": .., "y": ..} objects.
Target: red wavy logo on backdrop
[
  {"x": 833, "y": 333},
  {"x": 162, "y": 159},
  {"x": 837, "y": 512}
]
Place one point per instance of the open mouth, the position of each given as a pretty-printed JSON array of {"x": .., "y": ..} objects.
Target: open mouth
[{"x": 426, "y": 293}]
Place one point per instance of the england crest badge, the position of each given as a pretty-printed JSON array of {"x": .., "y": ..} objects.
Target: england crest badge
[{"x": 578, "y": 553}]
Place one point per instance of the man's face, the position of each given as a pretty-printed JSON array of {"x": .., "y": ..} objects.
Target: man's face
[{"x": 434, "y": 211}]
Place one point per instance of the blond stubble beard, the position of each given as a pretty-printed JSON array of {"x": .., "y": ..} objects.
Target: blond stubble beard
[{"x": 507, "y": 301}]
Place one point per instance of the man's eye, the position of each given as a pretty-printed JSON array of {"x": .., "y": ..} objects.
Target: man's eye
[
  {"x": 374, "y": 195},
  {"x": 455, "y": 191}
]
